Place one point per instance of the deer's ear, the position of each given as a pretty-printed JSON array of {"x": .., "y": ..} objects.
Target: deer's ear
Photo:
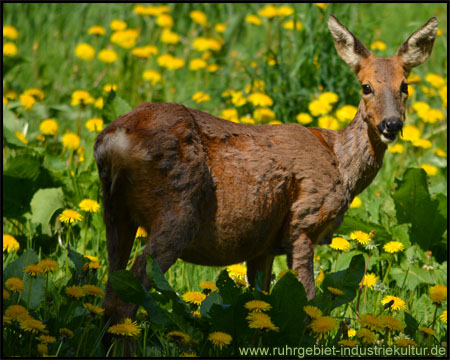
[
  {"x": 417, "y": 48},
  {"x": 348, "y": 46}
]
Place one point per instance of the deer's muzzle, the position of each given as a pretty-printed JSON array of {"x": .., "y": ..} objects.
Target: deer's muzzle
[{"x": 389, "y": 128}]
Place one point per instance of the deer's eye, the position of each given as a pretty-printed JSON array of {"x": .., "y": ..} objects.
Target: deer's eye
[
  {"x": 366, "y": 89},
  {"x": 404, "y": 88}
]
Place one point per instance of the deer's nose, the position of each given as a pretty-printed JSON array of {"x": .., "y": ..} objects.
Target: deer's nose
[{"x": 390, "y": 125}]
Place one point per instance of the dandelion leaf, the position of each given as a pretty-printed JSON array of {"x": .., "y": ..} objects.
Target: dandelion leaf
[
  {"x": 44, "y": 204},
  {"x": 114, "y": 107}
]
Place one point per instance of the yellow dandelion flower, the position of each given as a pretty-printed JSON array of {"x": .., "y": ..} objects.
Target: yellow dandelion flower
[
  {"x": 141, "y": 232},
  {"x": 212, "y": 68},
  {"x": 10, "y": 49},
  {"x": 438, "y": 293},
  {"x": 304, "y": 118},
  {"x": 367, "y": 337},
  {"x": 205, "y": 44},
  {"x": 427, "y": 330},
  {"x": 312, "y": 311},
  {"x": 443, "y": 95},
  {"x": 145, "y": 52},
  {"x": 33, "y": 270},
  {"x": 220, "y": 28},
  {"x": 220, "y": 339},
  {"x": 431, "y": 170},
  {"x": 393, "y": 247},
  {"x": 31, "y": 325},
  {"x": 323, "y": 325},
  {"x": 410, "y": 133},
  {"x": 339, "y": 243},
  {"x": 328, "y": 122},
  {"x": 253, "y": 19},
  {"x": 208, "y": 285},
  {"x": 290, "y": 25},
  {"x": 169, "y": 37},
  {"x": 263, "y": 115},
  {"x": 152, "y": 76},
  {"x": 318, "y": 108},
  {"x": 322, "y": 6},
  {"x": 378, "y": 45},
  {"x": 329, "y": 97},
  {"x": 351, "y": 333},
  {"x": 229, "y": 114},
  {"x": 257, "y": 305},
  {"x": 48, "y": 127},
  {"x": 89, "y": 205},
  {"x": 81, "y": 97},
  {"x": 85, "y": 52},
  {"x": 433, "y": 115},
  {"x": 258, "y": 320},
  {"x": 6, "y": 294},
  {"x": 67, "y": 332},
  {"x": 320, "y": 278},
  {"x": 125, "y": 38},
  {"x": 196, "y": 64},
  {"x": 237, "y": 98},
  {"x": 10, "y": 243},
  {"x": 414, "y": 79},
  {"x": 70, "y": 216},
  {"x": 75, "y": 291},
  {"x": 164, "y": 20},
  {"x": 360, "y": 236},
  {"x": 93, "y": 290},
  {"x": 46, "y": 339},
  {"x": 27, "y": 101},
  {"x": 396, "y": 149},
  {"x": 391, "y": 323},
  {"x": 107, "y": 56},
  {"x": 237, "y": 271},
  {"x": 94, "y": 309},
  {"x": 126, "y": 328},
  {"x": 285, "y": 10},
  {"x": 435, "y": 80},
  {"x": 170, "y": 62},
  {"x": 200, "y": 96},
  {"x": 284, "y": 272},
  {"x": 398, "y": 304},
  {"x": 48, "y": 265},
  {"x": 443, "y": 317},
  {"x": 268, "y": 11},
  {"x": 370, "y": 280},
  {"x": 260, "y": 99},
  {"x": 356, "y": 203},
  {"x": 199, "y": 17},
  {"x": 186, "y": 354},
  {"x": 346, "y": 113},
  {"x": 194, "y": 297},
  {"x": 15, "y": 284},
  {"x": 176, "y": 335},
  {"x": 21, "y": 137},
  {"x": 370, "y": 321},
  {"x": 348, "y": 343},
  {"x": 335, "y": 291},
  {"x": 10, "y": 32},
  {"x": 94, "y": 124},
  {"x": 36, "y": 93},
  {"x": 16, "y": 312},
  {"x": 404, "y": 342},
  {"x": 117, "y": 25},
  {"x": 97, "y": 30},
  {"x": 42, "y": 349}
]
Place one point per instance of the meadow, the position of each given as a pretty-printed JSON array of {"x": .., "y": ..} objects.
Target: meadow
[{"x": 70, "y": 69}]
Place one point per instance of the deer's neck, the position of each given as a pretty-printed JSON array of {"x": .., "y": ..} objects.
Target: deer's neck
[{"x": 359, "y": 152}]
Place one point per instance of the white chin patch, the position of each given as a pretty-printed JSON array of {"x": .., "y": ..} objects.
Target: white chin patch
[{"x": 386, "y": 140}]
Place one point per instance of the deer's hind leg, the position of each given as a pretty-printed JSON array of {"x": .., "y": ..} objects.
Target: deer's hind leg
[{"x": 263, "y": 264}]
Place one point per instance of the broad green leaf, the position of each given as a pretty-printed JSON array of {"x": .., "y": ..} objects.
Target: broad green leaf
[
  {"x": 44, "y": 204},
  {"x": 37, "y": 292},
  {"x": 288, "y": 298},
  {"x": 78, "y": 261},
  {"x": 127, "y": 286},
  {"x": 114, "y": 107},
  {"x": 411, "y": 325},
  {"x": 346, "y": 280},
  {"x": 15, "y": 268},
  {"x": 227, "y": 288},
  {"x": 401, "y": 233},
  {"x": 422, "y": 310},
  {"x": 54, "y": 163},
  {"x": 414, "y": 205},
  {"x": 211, "y": 299},
  {"x": 414, "y": 277},
  {"x": 23, "y": 167}
]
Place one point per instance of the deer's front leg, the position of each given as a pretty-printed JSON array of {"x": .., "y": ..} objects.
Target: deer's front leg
[{"x": 300, "y": 256}]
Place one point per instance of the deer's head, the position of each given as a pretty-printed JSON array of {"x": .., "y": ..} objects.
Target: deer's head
[{"x": 383, "y": 80}]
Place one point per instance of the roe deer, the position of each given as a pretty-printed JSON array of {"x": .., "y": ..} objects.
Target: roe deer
[{"x": 213, "y": 192}]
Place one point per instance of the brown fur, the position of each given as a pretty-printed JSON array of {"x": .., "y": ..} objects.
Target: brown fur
[{"x": 213, "y": 192}]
